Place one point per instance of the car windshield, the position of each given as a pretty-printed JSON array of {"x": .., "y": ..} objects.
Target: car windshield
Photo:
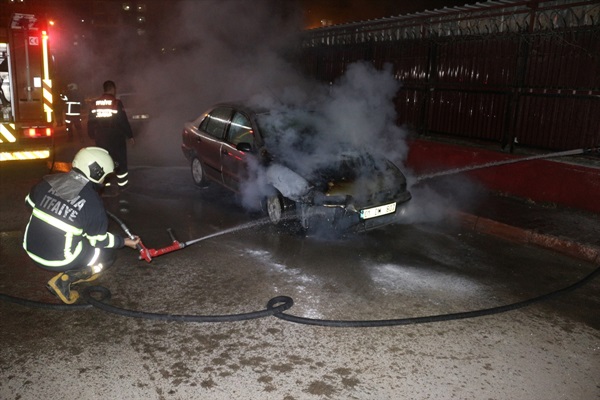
[
  {"x": 294, "y": 140},
  {"x": 348, "y": 166},
  {"x": 272, "y": 123},
  {"x": 289, "y": 131}
]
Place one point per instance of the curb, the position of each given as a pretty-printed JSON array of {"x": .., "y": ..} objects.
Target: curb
[{"x": 571, "y": 248}]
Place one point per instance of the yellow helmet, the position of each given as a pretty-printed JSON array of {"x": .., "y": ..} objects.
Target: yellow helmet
[{"x": 95, "y": 163}]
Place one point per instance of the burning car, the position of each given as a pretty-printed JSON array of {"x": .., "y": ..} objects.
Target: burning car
[{"x": 271, "y": 157}]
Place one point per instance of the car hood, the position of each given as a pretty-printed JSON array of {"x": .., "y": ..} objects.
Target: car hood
[{"x": 355, "y": 177}]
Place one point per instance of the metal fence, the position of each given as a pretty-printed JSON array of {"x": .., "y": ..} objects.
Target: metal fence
[{"x": 503, "y": 71}]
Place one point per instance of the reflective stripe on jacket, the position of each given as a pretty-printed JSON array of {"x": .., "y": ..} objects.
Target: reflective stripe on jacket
[
  {"x": 108, "y": 120},
  {"x": 60, "y": 229}
]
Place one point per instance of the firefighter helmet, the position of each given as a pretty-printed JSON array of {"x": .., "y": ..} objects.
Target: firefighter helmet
[{"x": 94, "y": 162}]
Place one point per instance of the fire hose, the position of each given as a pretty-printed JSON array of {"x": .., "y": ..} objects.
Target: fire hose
[
  {"x": 147, "y": 254},
  {"x": 590, "y": 150},
  {"x": 277, "y": 305}
]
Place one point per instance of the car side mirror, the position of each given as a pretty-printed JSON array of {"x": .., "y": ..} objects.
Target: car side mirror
[{"x": 244, "y": 146}]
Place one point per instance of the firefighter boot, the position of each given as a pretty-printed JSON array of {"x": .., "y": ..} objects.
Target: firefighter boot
[
  {"x": 60, "y": 286},
  {"x": 86, "y": 274}
]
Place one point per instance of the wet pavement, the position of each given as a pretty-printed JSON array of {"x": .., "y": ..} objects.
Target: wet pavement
[
  {"x": 550, "y": 219},
  {"x": 430, "y": 263}
]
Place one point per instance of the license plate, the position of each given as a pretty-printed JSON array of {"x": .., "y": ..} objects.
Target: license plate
[{"x": 378, "y": 211}]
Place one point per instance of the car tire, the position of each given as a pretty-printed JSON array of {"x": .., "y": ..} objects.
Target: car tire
[
  {"x": 274, "y": 208},
  {"x": 198, "y": 173}
]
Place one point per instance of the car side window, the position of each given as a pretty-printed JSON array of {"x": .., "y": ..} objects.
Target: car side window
[
  {"x": 204, "y": 123},
  {"x": 214, "y": 124},
  {"x": 240, "y": 130}
]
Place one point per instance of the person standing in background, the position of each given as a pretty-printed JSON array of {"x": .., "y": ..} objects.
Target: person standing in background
[{"x": 109, "y": 127}]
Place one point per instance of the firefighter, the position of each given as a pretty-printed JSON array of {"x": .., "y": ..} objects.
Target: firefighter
[
  {"x": 67, "y": 231},
  {"x": 73, "y": 112},
  {"x": 109, "y": 127}
]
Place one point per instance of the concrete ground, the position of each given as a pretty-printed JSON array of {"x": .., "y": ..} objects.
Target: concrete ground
[{"x": 547, "y": 351}]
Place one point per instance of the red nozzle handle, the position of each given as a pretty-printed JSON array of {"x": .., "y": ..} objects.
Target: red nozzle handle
[{"x": 144, "y": 253}]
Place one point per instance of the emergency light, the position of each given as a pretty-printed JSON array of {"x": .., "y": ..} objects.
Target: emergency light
[{"x": 37, "y": 132}]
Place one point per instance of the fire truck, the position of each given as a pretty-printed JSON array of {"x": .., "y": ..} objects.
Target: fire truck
[{"x": 26, "y": 110}]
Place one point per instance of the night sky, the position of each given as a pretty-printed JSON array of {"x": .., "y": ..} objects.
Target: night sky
[{"x": 341, "y": 11}]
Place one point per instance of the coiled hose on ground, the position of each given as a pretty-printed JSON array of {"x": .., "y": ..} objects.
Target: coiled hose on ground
[{"x": 277, "y": 305}]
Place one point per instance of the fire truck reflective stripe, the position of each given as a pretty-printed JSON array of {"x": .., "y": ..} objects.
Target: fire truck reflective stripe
[
  {"x": 8, "y": 132},
  {"x": 45, "y": 55},
  {"x": 47, "y": 94},
  {"x": 57, "y": 223},
  {"x": 46, "y": 82},
  {"x": 24, "y": 155}
]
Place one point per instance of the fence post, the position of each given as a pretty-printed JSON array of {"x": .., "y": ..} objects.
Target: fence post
[{"x": 430, "y": 83}]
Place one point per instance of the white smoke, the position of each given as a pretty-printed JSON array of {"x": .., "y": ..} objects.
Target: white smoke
[
  {"x": 201, "y": 53},
  {"x": 227, "y": 50},
  {"x": 354, "y": 114},
  {"x": 356, "y": 111}
]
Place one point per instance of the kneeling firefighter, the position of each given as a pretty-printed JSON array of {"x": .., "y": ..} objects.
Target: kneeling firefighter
[{"x": 67, "y": 231}]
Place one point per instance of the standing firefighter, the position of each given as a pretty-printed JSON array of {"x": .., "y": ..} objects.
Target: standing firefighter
[
  {"x": 109, "y": 127},
  {"x": 67, "y": 231},
  {"x": 73, "y": 112}
]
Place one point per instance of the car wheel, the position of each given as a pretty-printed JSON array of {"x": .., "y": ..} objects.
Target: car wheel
[
  {"x": 198, "y": 173},
  {"x": 274, "y": 208}
]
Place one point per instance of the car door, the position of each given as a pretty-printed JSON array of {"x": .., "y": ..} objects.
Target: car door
[
  {"x": 209, "y": 142},
  {"x": 233, "y": 159}
]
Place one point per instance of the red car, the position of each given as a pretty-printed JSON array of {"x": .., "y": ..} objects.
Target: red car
[{"x": 273, "y": 159}]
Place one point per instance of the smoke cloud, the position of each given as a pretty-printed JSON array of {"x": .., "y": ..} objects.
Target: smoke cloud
[
  {"x": 201, "y": 53},
  {"x": 214, "y": 51},
  {"x": 317, "y": 125},
  {"x": 228, "y": 50},
  {"x": 357, "y": 111}
]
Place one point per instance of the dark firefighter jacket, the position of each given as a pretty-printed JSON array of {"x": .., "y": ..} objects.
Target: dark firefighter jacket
[
  {"x": 108, "y": 124},
  {"x": 68, "y": 220}
]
